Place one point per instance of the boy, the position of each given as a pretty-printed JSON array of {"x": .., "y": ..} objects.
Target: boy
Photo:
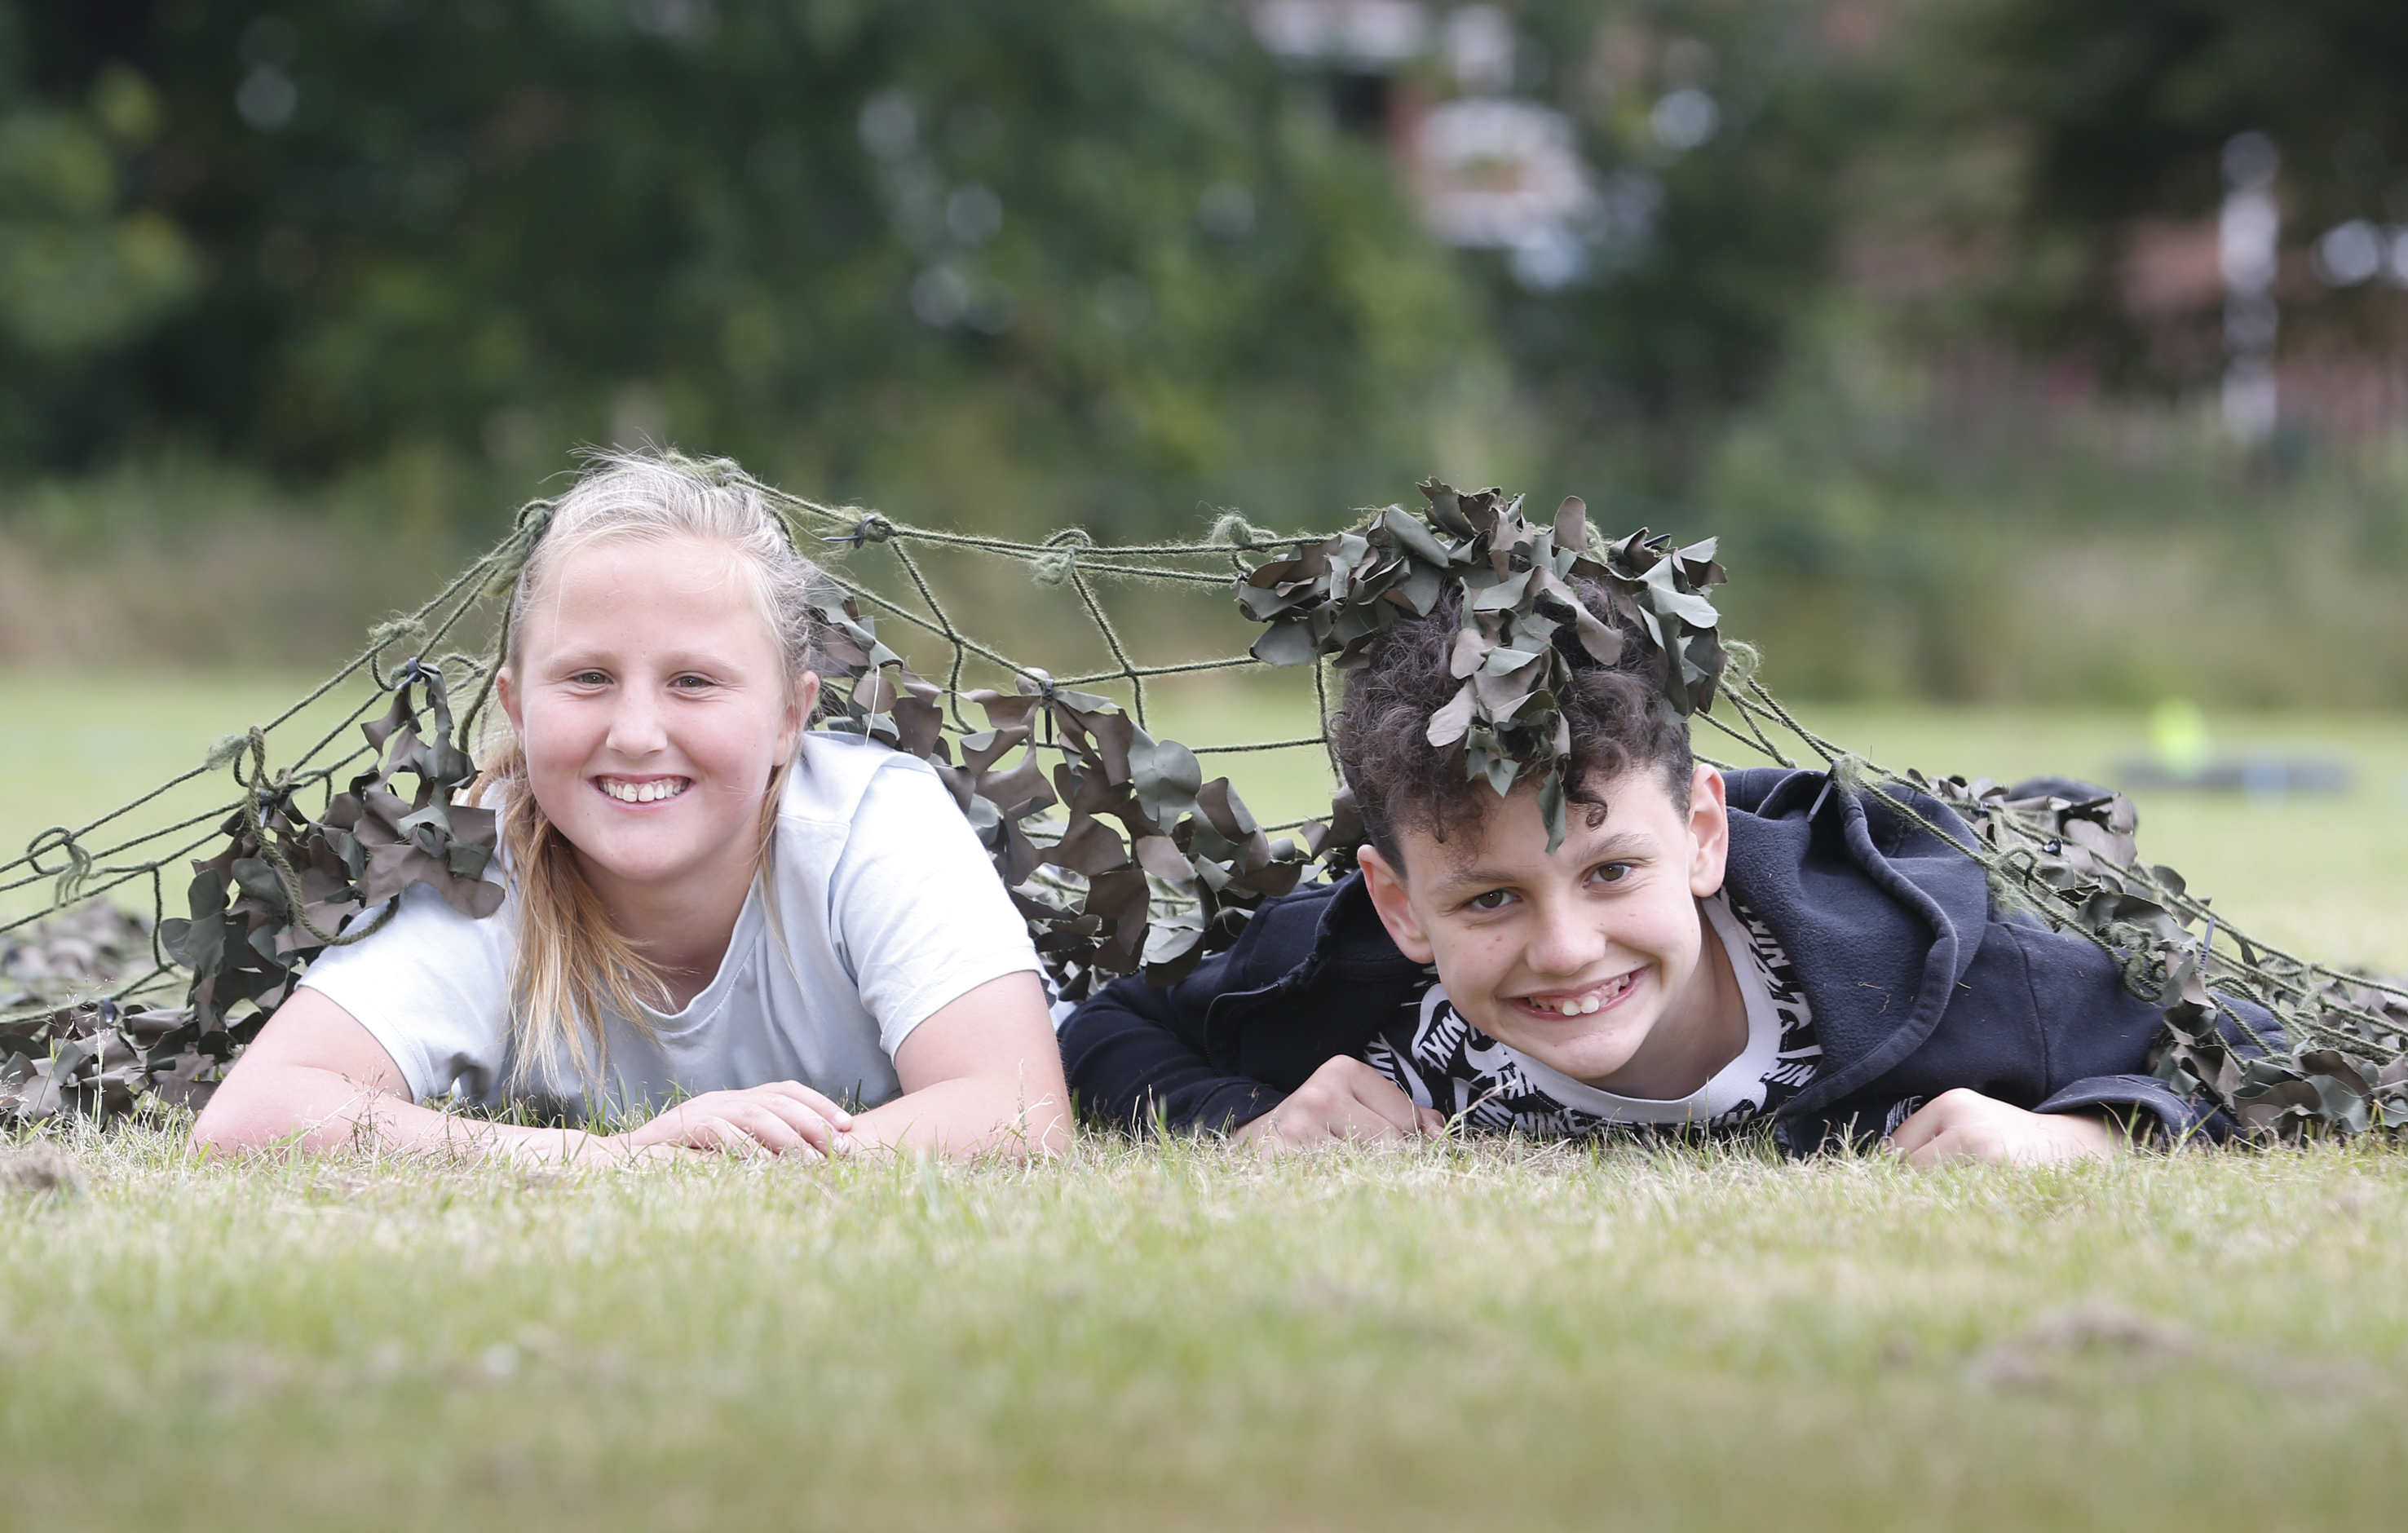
[{"x": 1701, "y": 951}]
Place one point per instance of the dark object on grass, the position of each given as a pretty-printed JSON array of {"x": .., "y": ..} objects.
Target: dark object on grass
[
  {"x": 39, "y": 1166},
  {"x": 81, "y": 950},
  {"x": 2258, "y": 776}
]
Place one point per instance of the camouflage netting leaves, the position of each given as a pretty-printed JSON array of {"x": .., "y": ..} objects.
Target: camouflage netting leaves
[
  {"x": 2072, "y": 858},
  {"x": 279, "y": 892},
  {"x": 275, "y": 896},
  {"x": 79, "y": 1056},
  {"x": 1523, "y": 623},
  {"x": 97, "y": 1059},
  {"x": 1122, "y": 857},
  {"x": 1147, "y": 867}
]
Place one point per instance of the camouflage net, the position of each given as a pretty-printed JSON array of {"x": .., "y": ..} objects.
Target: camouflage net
[{"x": 1119, "y": 853}]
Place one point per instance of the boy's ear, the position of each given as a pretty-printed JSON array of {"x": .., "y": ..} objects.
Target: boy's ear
[
  {"x": 1387, "y": 887},
  {"x": 506, "y": 690},
  {"x": 1708, "y": 831}
]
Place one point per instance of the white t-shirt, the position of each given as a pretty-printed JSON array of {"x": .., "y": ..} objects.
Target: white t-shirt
[{"x": 887, "y": 909}]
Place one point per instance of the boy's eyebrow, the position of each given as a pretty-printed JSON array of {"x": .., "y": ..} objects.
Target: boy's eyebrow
[{"x": 1620, "y": 843}]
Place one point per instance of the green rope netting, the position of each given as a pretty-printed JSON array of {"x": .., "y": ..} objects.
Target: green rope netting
[{"x": 1121, "y": 856}]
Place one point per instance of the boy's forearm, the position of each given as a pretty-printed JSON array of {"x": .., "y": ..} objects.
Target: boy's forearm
[{"x": 1131, "y": 1066}]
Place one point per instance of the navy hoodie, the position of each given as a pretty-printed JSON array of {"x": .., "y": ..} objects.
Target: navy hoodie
[{"x": 1918, "y": 984}]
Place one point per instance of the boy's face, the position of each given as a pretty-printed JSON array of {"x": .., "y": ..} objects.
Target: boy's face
[{"x": 1588, "y": 960}]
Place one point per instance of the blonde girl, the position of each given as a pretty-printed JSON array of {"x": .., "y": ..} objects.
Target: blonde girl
[{"x": 720, "y": 927}]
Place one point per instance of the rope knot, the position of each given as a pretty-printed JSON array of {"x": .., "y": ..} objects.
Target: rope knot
[
  {"x": 1231, "y": 529},
  {"x": 397, "y": 631},
  {"x": 415, "y": 669},
  {"x": 511, "y": 559},
  {"x": 1741, "y": 662},
  {"x": 56, "y": 839},
  {"x": 79, "y": 864},
  {"x": 872, "y": 528},
  {"x": 1058, "y": 566}
]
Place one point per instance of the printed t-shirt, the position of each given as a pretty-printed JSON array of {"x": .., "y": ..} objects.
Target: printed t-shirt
[
  {"x": 886, "y": 909},
  {"x": 1441, "y": 1061}
]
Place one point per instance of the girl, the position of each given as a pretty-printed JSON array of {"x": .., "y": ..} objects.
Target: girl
[{"x": 717, "y": 924}]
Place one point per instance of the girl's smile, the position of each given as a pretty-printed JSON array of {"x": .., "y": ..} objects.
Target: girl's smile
[{"x": 647, "y": 790}]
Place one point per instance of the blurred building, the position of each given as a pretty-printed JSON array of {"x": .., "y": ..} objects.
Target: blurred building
[{"x": 1490, "y": 169}]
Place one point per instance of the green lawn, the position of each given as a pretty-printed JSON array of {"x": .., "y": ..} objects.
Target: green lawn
[{"x": 1497, "y": 1336}]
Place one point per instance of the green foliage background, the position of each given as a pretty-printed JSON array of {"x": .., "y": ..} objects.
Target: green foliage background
[
  {"x": 319, "y": 291},
  {"x": 500, "y": 228}
]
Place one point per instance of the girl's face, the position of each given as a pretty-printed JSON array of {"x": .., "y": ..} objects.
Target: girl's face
[{"x": 651, "y": 702}]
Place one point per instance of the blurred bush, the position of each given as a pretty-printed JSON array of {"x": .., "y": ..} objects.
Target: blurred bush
[
  {"x": 1852, "y": 283},
  {"x": 1905, "y": 530},
  {"x": 838, "y": 241},
  {"x": 84, "y": 269}
]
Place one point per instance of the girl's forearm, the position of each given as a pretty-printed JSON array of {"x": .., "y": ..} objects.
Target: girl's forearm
[
  {"x": 964, "y": 1117},
  {"x": 296, "y": 1107}
]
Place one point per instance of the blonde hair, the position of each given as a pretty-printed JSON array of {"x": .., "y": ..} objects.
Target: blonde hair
[{"x": 573, "y": 964}]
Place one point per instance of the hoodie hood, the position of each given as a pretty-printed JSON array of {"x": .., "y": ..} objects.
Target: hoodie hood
[{"x": 1892, "y": 913}]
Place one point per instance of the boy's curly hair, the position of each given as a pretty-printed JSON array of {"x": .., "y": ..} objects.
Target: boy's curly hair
[{"x": 1616, "y": 714}]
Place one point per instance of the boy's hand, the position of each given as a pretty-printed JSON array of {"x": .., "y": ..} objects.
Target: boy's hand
[
  {"x": 1344, "y": 1099},
  {"x": 1963, "y": 1124}
]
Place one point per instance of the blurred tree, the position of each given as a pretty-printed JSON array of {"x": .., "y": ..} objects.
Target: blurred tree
[
  {"x": 1723, "y": 137},
  {"x": 829, "y": 236},
  {"x": 81, "y": 270},
  {"x": 2125, "y": 108},
  {"x": 2131, "y": 103}
]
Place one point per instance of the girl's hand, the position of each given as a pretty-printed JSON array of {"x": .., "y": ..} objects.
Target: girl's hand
[
  {"x": 779, "y": 1119},
  {"x": 1963, "y": 1124}
]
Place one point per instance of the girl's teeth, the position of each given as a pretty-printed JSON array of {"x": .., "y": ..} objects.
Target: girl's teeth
[{"x": 642, "y": 793}]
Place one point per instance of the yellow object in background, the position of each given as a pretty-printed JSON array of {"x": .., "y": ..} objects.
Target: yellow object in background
[{"x": 2178, "y": 735}]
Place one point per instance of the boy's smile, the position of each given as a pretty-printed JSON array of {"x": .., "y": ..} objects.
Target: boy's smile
[{"x": 1593, "y": 961}]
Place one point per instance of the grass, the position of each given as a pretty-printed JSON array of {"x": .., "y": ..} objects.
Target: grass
[{"x": 1499, "y": 1335}]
